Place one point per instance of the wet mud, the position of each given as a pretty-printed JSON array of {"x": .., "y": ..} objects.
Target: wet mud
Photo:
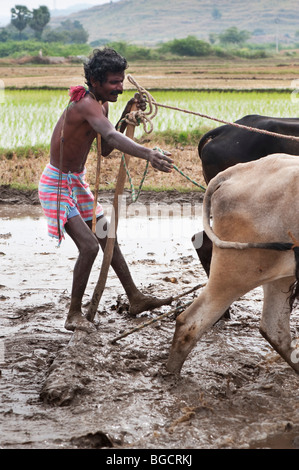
[{"x": 78, "y": 391}]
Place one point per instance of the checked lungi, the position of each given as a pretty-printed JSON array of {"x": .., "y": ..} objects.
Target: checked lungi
[{"x": 71, "y": 193}]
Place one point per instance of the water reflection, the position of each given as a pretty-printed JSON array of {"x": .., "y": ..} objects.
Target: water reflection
[{"x": 30, "y": 258}]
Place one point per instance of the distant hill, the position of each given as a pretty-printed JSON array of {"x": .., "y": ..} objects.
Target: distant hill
[
  {"x": 151, "y": 21},
  {"x": 68, "y": 11}
]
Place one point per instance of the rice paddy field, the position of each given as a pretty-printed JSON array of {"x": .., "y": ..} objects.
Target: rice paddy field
[{"x": 28, "y": 116}]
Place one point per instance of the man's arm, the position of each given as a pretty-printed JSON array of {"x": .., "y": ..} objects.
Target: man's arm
[
  {"x": 121, "y": 124},
  {"x": 93, "y": 113}
]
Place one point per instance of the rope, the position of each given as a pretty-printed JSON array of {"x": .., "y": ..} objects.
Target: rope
[
  {"x": 153, "y": 104},
  {"x": 181, "y": 172},
  {"x": 134, "y": 196},
  {"x": 189, "y": 179},
  {"x": 135, "y": 118}
]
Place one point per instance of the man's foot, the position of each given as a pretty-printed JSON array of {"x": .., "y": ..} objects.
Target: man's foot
[
  {"x": 142, "y": 302},
  {"x": 75, "y": 320}
]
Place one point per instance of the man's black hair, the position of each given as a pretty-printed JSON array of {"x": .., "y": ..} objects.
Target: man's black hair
[{"x": 103, "y": 61}]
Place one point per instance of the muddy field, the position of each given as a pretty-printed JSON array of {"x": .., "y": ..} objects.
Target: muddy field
[{"x": 59, "y": 392}]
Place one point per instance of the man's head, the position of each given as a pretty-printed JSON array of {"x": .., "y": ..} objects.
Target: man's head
[{"x": 101, "y": 62}]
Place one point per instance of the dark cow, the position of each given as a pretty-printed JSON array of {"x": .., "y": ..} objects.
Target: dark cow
[{"x": 227, "y": 145}]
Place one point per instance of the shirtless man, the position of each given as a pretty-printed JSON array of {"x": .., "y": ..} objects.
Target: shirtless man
[{"x": 83, "y": 119}]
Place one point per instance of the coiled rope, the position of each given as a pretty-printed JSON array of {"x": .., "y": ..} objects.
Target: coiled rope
[{"x": 138, "y": 117}]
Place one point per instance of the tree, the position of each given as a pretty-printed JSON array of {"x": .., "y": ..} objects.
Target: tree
[
  {"x": 53, "y": 35},
  {"x": 20, "y": 17},
  {"x": 233, "y": 36},
  {"x": 4, "y": 35},
  {"x": 79, "y": 36},
  {"x": 189, "y": 46},
  {"x": 213, "y": 38},
  {"x": 74, "y": 30},
  {"x": 40, "y": 18}
]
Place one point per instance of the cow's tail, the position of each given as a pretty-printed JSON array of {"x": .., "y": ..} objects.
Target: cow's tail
[{"x": 278, "y": 246}]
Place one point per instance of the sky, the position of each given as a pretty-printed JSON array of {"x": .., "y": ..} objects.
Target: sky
[{"x": 6, "y": 5}]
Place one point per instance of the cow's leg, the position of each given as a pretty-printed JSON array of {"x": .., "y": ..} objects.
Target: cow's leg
[
  {"x": 204, "y": 248},
  {"x": 200, "y": 316},
  {"x": 275, "y": 322}
]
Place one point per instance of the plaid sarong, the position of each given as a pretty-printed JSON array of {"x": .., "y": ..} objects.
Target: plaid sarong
[{"x": 75, "y": 192}]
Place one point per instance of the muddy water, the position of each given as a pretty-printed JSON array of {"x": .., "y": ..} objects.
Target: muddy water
[{"x": 234, "y": 390}]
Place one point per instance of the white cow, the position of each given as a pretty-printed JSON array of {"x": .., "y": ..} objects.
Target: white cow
[{"x": 255, "y": 210}]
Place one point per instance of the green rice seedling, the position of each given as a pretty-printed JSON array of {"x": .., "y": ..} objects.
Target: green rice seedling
[{"x": 29, "y": 116}]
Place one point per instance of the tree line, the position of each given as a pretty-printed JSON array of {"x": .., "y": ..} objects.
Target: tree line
[
  {"x": 28, "y": 24},
  {"x": 29, "y": 31}
]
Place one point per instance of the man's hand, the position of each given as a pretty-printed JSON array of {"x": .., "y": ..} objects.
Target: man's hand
[
  {"x": 140, "y": 103},
  {"x": 161, "y": 161},
  {"x": 139, "y": 100}
]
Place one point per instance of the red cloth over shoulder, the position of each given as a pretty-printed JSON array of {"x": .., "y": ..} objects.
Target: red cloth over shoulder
[{"x": 77, "y": 92}]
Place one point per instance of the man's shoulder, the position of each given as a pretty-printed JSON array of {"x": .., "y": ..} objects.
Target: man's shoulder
[{"x": 86, "y": 104}]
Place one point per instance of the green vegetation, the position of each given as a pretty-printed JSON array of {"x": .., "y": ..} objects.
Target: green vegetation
[
  {"x": 29, "y": 32},
  {"x": 69, "y": 32},
  {"x": 40, "y": 18},
  {"x": 234, "y": 36},
  {"x": 37, "y": 19},
  {"x": 64, "y": 44},
  {"x": 27, "y": 25},
  {"x": 18, "y": 49},
  {"x": 188, "y": 47},
  {"x": 20, "y": 16},
  {"x": 29, "y": 116},
  {"x": 156, "y": 34}
]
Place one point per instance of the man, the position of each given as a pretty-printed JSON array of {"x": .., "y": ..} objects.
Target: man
[{"x": 65, "y": 196}]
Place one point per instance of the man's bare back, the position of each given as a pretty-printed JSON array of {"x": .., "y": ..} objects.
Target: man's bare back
[{"x": 78, "y": 136}]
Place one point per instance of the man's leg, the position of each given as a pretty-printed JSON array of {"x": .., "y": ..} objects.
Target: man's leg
[
  {"x": 138, "y": 301},
  {"x": 88, "y": 247}
]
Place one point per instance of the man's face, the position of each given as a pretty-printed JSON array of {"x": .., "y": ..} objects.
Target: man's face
[{"x": 111, "y": 88}]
